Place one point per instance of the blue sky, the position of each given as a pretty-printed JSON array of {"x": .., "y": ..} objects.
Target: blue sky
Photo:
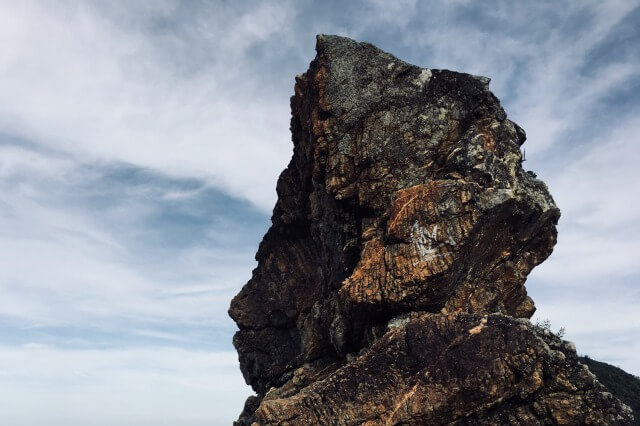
[{"x": 140, "y": 144}]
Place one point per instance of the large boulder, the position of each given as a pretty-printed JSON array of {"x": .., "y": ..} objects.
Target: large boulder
[{"x": 405, "y": 194}]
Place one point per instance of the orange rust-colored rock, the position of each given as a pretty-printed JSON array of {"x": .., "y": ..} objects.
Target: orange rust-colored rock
[
  {"x": 426, "y": 227},
  {"x": 390, "y": 286}
]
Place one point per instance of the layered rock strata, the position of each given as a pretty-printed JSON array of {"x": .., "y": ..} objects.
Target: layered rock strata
[{"x": 390, "y": 286}]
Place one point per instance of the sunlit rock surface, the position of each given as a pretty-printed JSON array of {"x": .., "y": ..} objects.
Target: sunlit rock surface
[{"x": 403, "y": 219}]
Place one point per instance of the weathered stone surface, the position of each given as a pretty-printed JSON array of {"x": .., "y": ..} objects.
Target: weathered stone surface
[
  {"x": 405, "y": 194},
  {"x": 460, "y": 369}
]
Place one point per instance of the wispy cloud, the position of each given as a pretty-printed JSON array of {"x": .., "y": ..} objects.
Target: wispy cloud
[
  {"x": 152, "y": 386},
  {"x": 148, "y": 90},
  {"x": 84, "y": 242}
]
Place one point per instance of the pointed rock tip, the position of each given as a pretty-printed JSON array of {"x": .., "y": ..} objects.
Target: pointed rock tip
[
  {"x": 484, "y": 80},
  {"x": 332, "y": 45},
  {"x": 336, "y": 45},
  {"x": 325, "y": 39}
]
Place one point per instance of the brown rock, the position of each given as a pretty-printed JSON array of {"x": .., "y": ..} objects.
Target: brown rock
[
  {"x": 405, "y": 194},
  {"x": 460, "y": 369}
]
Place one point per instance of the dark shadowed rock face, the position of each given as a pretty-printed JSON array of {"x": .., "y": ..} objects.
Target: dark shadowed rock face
[{"x": 403, "y": 219}]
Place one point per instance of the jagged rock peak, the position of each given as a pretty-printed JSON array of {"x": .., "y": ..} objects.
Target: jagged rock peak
[{"x": 404, "y": 231}]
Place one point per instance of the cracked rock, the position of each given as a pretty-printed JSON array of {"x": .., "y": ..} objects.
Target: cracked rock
[{"x": 390, "y": 286}]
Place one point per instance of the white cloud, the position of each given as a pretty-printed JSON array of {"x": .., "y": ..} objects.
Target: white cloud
[
  {"x": 589, "y": 284},
  {"x": 137, "y": 387},
  {"x": 66, "y": 261},
  {"x": 596, "y": 187},
  {"x": 98, "y": 89}
]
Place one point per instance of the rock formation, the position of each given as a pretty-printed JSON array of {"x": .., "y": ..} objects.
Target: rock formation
[{"x": 390, "y": 286}]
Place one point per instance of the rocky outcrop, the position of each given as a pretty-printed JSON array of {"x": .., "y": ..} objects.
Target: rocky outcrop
[
  {"x": 452, "y": 369},
  {"x": 390, "y": 287}
]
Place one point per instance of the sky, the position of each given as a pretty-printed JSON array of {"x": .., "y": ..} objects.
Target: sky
[{"x": 140, "y": 143}]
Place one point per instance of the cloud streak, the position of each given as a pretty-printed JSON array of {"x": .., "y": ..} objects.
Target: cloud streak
[{"x": 142, "y": 93}]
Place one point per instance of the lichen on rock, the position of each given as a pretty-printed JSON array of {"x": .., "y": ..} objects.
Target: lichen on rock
[{"x": 390, "y": 286}]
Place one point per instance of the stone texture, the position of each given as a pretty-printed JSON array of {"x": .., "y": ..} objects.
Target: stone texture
[
  {"x": 444, "y": 369},
  {"x": 403, "y": 216}
]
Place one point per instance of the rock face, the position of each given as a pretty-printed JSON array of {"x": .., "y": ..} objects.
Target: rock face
[{"x": 390, "y": 286}]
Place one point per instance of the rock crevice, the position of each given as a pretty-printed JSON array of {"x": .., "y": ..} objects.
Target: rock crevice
[{"x": 390, "y": 286}]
